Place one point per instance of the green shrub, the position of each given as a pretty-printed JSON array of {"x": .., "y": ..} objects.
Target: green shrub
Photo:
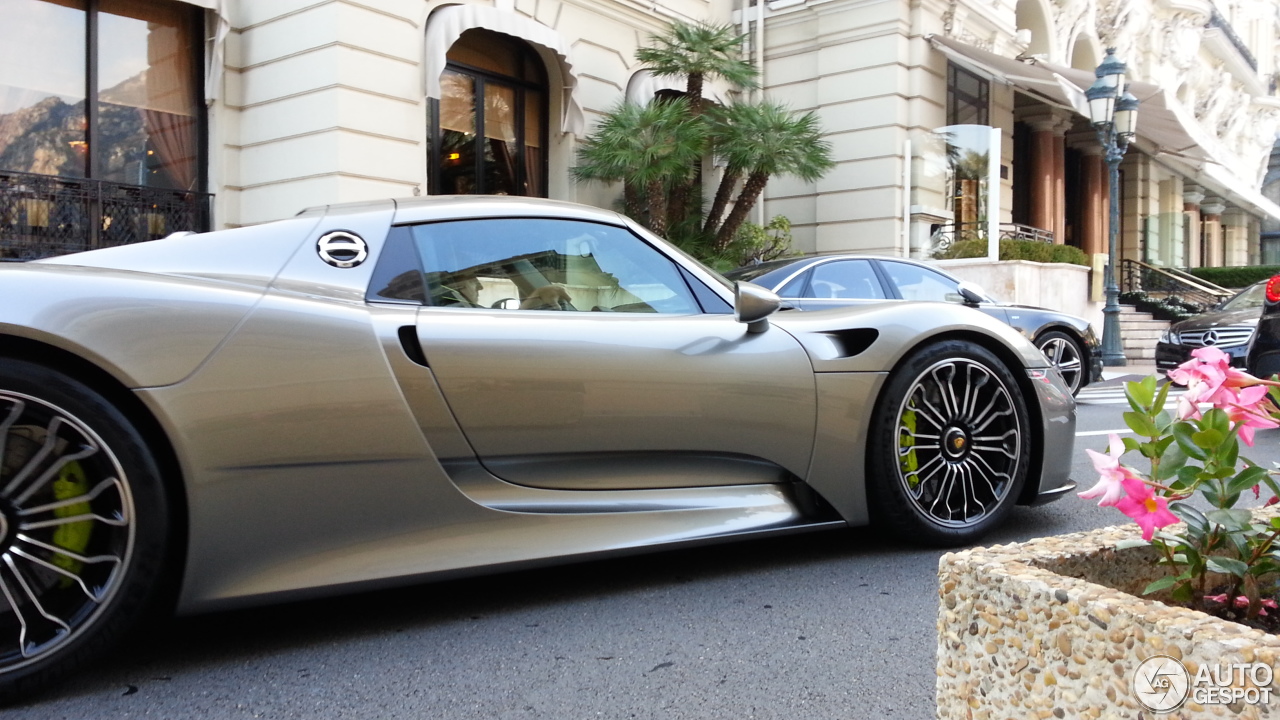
[
  {"x": 1170, "y": 309},
  {"x": 1235, "y": 277},
  {"x": 1032, "y": 250}
]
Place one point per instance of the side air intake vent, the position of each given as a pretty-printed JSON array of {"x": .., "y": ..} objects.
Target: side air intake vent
[{"x": 852, "y": 342}]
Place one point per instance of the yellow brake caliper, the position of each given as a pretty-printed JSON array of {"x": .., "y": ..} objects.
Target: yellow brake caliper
[
  {"x": 907, "y": 439},
  {"x": 74, "y": 537}
]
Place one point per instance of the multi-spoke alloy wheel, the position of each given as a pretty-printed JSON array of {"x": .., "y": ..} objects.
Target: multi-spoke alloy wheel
[
  {"x": 70, "y": 577},
  {"x": 949, "y": 445},
  {"x": 1065, "y": 354}
]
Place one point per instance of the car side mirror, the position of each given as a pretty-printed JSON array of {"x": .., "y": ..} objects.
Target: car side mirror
[
  {"x": 973, "y": 295},
  {"x": 753, "y": 305}
]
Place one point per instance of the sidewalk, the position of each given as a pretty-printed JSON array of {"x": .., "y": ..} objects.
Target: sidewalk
[{"x": 1139, "y": 369}]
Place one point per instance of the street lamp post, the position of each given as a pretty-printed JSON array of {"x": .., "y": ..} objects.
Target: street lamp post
[{"x": 1113, "y": 111}]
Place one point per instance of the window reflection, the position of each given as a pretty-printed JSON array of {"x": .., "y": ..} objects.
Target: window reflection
[
  {"x": 42, "y": 85},
  {"x": 147, "y": 99},
  {"x": 148, "y": 102},
  {"x": 490, "y": 129}
]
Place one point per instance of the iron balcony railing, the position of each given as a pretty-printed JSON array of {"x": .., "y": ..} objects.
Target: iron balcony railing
[
  {"x": 946, "y": 235},
  {"x": 44, "y": 215},
  {"x": 1170, "y": 284}
]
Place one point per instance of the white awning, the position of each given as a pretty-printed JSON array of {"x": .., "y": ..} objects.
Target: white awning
[
  {"x": 447, "y": 24},
  {"x": 1041, "y": 83}
]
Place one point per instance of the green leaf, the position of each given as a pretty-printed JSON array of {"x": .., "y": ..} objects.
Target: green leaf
[
  {"x": 1211, "y": 494},
  {"x": 1227, "y": 566},
  {"x": 1131, "y": 444},
  {"x": 1190, "y": 515},
  {"x": 1265, "y": 566},
  {"x": 1182, "y": 593},
  {"x": 1140, "y": 394},
  {"x": 1230, "y": 519},
  {"x": 1137, "y": 542},
  {"x": 1208, "y": 439},
  {"x": 1216, "y": 419},
  {"x": 1182, "y": 433},
  {"x": 1161, "y": 584},
  {"x": 1246, "y": 479},
  {"x": 1230, "y": 451},
  {"x": 1172, "y": 459},
  {"x": 1158, "y": 404},
  {"x": 1140, "y": 424}
]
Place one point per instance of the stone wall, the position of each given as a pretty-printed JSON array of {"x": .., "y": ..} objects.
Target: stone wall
[
  {"x": 1057, "y": 286},
  {"x": 1028, "y": 631}
]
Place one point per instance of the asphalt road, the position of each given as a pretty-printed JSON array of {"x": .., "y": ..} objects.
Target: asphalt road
[{"x": 836, "y": 624}]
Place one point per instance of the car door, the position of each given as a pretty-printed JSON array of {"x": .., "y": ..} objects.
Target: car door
[
  {"x": 910, "y": 281},
  {"x": 575, "y": 355}
]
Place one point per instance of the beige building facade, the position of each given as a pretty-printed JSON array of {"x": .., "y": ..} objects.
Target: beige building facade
[{"x": 306, "y": 102}]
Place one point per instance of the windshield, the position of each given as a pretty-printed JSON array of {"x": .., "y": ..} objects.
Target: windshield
[{"x": 1254, "y": 296}]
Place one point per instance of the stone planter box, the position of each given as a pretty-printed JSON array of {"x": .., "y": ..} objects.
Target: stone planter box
[{"x": 1055, "y": 628}]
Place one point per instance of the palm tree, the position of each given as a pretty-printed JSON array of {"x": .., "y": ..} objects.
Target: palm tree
[
  {"x": 650, "y": 148},
  {"x": 700, "y": 52},
  {"x": 760, "y": 140}
]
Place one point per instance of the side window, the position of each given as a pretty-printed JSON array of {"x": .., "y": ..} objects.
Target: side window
[
  {"x": 848, "y": 279},
  {"x": 918, "y": 283},
  {"x": 546, "y": 264}
]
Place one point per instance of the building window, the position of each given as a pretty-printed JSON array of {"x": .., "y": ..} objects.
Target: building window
[
  {"x": 489, "y": 127},
  {"x": 968, "y": 97},
  {"x": 102, "y": 89}
]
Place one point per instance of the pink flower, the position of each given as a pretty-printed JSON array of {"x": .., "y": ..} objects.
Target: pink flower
[
  {"x": 1209, "y": 378},
  {"x": 1149, "y": 510},
  {"x": 1247, "y": 414},
  {"x": 1243, "y": 602},
  {"x": 1108, "y": 466}
]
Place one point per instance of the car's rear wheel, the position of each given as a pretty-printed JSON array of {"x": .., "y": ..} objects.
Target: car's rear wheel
[
  {"x": 1066, "y": 354},
  {"x": 83, "y": 526},
  {"x": 948, "y": 445}
]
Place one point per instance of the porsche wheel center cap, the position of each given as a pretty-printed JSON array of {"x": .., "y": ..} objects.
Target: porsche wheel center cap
[{"x": 955, "y": 443}]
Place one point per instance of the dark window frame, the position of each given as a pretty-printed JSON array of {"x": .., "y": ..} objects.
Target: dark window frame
[
  {"x": 957, "y": 98},
  {"x": 481, "y": 77}
]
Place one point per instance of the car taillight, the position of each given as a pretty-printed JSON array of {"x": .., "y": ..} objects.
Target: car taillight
[{"x": 1273, "y": 289}]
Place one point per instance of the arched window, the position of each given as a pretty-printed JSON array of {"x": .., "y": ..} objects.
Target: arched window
[{"x": 489, "y": 127}]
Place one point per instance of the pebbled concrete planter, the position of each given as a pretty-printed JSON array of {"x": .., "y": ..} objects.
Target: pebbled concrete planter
[{"x": 1055, "y": 628}]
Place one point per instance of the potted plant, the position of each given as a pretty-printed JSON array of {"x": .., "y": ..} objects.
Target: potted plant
[{"x": 1171, "y": 617}]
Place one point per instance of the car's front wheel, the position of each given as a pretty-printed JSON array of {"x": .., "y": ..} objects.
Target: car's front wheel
[
  {"x": 948, "y": 446},
  {"x": 1065, "y": 353},
  {"x": 83, "y": 526}
]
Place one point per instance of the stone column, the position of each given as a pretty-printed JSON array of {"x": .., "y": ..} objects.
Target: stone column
[
  {"x": 1235, "y": 240},
  {"x": 1060, "y": 180},
  {"x": 1043, "y": 140},
  {"x": 1094, "y": 208},
  {"x": 1211, "y": 219},
  {"x": 1192, "y": 195}
]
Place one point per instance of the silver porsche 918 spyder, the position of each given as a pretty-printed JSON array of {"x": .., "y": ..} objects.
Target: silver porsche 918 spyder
[{"x": 402, "y": 390}]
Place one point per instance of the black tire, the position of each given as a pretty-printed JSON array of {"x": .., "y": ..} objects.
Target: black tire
[
  {"x": 964, "y": 478},
  {"x": 1066, "y": 354},
  {"x": 83, "y": 527}
]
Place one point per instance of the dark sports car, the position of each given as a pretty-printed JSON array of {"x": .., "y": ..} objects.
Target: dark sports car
[
  {"x": 385, "y": 392},
  {"x": 1263, "y": 359},
  {"x": 822, "y": 281},
  {"x": 1228, "y": 327}
]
